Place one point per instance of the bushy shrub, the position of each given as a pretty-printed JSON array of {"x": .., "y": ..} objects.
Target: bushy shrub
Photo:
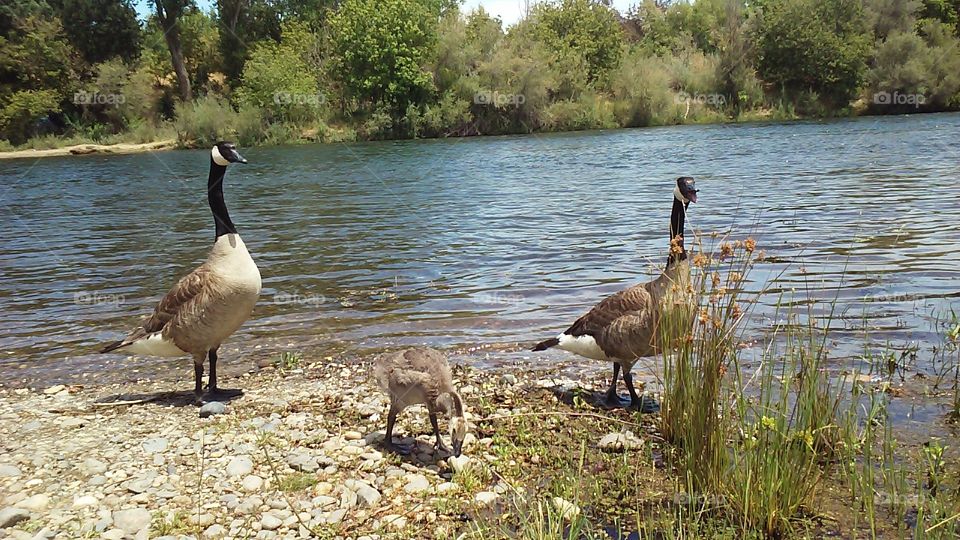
[
  {"x": 641, "y": 91},
  {"x": 205, "y": 121},
  {"x": 590, "y": 111},
  {"x": 23, "y": 109}
]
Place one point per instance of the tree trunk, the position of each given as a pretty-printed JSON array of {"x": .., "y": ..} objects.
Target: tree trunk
[{"x": 171, "y": 33}]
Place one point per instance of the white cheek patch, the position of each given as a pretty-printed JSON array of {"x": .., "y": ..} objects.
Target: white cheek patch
[
  {"x": 218, "y": 158},
  {"x": 679, "y": 196}
]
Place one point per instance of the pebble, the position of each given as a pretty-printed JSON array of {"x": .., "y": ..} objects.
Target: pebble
[
  {"x": 84, "y": 501},
  {"x": 215, "y": 531},
  {"x": 614, "y": 442},
  {"x": 394, "y": 521},
  {"x": 11, "y": 516},
  {"x": 155, "y": 445},
  {"x": 240, "y": 466},
  {"x": 485, "y": 497},
  {"x": 509, "y": 378},
  {"x": 36, "y": 503},
  {"x": 567, "y": 509},
  {"x": 131, "y": 520},
  {"x": 55, "y": 389},
  {"x": 9, "y": 471},
  {"x": 92, "y": 467},
  {"x": 416, "y": 483},
  {"x": 458, "y": 463},
  {"x": 270, "y": 522},
  {"x": 252, "y": 483},
  {"x": 302, "y": 462},
  {"x": 212, "y": 408}
]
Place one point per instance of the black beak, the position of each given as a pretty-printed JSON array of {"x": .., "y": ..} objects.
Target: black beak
[
  {"x": 457, "y": 448},
  {"x": 236, "y": 157},
  {"x": 693, "y": 196}
]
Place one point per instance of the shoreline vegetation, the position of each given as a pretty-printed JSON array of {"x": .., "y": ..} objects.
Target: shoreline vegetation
[
  {"x": 265, "y": 73},
  {"x": 781, "y": 446}
]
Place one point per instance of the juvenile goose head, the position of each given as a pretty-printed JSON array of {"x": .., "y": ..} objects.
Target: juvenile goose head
[{"x": 453, "y": 404}]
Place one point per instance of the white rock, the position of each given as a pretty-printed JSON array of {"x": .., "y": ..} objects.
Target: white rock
[
  {"x": 394, "y": 521},
  {"x": 113, "y": 534},
  {"x": 11, "y": 516},
  {"x": 270, "y": 522},
  {"x": 9, "y": 471},
  {"x": 93, "y": 467},
  {"x": 240, "y": 466},
  {"x": 215, "y": 531},
  {"x": 155, "y": 445},
  {"x": 567, "y": 509},
  {"x": 132, "y": 520},
  {"x": 252, "y": 483},
  {"x": 447, "y": 487},
  {"x": 458, "y": 463},
  {"x": 55, "y": 389},
  {"x": 613, "y": 442},
  {"x": 485, "y": 497},
  {"x": 84, "y": 501},
  {"x": 416, "y": 483},
  {"x": 36, "y": 503}
]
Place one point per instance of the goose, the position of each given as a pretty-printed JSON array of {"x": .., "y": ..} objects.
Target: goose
[
  {"x": 207, "y": 305},
  {"x": 421, "y": 375},
  {"x": 623, "y": 327}
]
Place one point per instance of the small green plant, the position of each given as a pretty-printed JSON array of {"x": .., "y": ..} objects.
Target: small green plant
[
  {"x": 290, "y": 361},
  {"x": 297, "y": 482},
  {"x": 169, "y": 524}
]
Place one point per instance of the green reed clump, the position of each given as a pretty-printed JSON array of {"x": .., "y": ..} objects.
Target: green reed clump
[{"x": 750, "y": 441}]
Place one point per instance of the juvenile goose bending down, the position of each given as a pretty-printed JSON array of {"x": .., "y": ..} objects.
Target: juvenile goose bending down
[
  {"x": 421, "y": 376},
  {"x": 623, "y": 327},
  {"x": 208, "y": 304}
]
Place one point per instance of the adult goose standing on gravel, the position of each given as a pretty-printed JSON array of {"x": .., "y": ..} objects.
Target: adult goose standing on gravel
[
  {"x": 623, "y": 327},
  {"x": 208, "y": 304}
]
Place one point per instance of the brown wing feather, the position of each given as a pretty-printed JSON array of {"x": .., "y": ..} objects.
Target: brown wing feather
[
  {"x": 623, "y": 323},
  {"x": 177, "y": 303}
]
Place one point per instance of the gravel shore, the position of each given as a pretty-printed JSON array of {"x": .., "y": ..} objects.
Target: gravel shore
[{"x": 298, "y": 456}]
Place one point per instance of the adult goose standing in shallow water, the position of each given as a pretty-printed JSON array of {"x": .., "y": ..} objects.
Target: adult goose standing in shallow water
[
  {"x": 623, "y": 327},
  {"x": 208, "y": 304}
]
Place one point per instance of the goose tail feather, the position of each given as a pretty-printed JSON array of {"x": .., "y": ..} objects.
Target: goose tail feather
[
  {"x": 544, "y": 345},
  {"x": 113, "y": 346}
]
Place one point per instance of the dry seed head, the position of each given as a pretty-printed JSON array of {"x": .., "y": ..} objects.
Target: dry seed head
[
  {"x": 750, "y": 244},
  {"x": 726, "y": 250},
  {"x": 735, "y": 277},
  {"x": 699, "y": 260},
  {"x": 716, "y": 279},
  {"x": 676, "y": 245}
]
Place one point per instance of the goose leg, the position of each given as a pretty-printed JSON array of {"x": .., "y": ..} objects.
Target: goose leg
[
  {"x": 198, "y": 378},
  {"x": 440, "y": 447},
  {"x": 388, "y": 437},
  {"x": 635, "y": 401},
  {"x": 214, "y": 393},
  {"x": 613, "y": 399}
]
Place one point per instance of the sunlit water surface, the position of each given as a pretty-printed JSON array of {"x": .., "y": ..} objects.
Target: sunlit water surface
[{"x": 481, "y": 246}]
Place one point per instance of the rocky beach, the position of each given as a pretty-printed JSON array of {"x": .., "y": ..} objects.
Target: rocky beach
[{"x": 298, "y": 456}]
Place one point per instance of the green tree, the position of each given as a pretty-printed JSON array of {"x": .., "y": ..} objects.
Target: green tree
[
  {"x": 100, "y": 29},
  {"x": 581, "y": 33},
  {"x": 813, "y": 46},
  {"x": 241, "y": 24},
  {"x": 282, "y": 78},
  {"x": 381, "y": 47}
]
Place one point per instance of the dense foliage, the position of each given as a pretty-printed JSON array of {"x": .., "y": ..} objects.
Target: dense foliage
[{"x": 285, "y": 70}]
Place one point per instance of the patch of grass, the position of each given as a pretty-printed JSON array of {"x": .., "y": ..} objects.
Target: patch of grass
[
  {"x": 297, "y": 482},
  {"x": 290, "y": 361},
  {"x": 172, "y": 524}
]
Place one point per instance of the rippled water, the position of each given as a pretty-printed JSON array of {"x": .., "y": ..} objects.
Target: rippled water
[{"x": 493, "y": 242}]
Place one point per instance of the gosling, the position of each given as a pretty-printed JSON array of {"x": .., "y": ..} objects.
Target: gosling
[{"x": 421, "y": 376}]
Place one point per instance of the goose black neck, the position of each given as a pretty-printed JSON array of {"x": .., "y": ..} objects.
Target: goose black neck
[
  {"x": 677, "y": 216},
  {"x": 215, "y": 197}
]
